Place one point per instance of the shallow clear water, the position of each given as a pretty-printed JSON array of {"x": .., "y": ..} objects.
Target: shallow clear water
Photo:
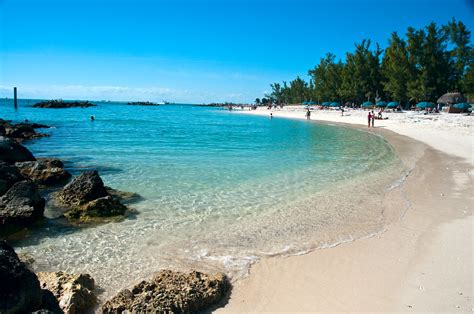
[{"x": 220, "y": 189}]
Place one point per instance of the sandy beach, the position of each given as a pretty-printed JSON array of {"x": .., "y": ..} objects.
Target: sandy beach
[{"x": 423, "y": 262}]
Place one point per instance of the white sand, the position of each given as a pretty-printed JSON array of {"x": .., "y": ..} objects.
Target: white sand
[{"x": 423, "y": 262}]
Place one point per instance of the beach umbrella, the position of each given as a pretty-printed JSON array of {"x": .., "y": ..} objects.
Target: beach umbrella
[
  {"x": 393, "y": 104},
  {"x": 311, "y": 103},
  {"x": 424, "y": 105},
  {"x": 334, "y": 104},
  {"x": 325, "y": 104},
  {"x": 451, "y": 98},
  {"x": 381, "y": 104},
  {"x": 368, "y": 104},
  {"x": 304, "y": 103},
  {"x": 462, "y": 106}
]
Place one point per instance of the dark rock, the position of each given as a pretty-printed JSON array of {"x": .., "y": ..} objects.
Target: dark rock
[
  {"x": 37, "y": 125},
  {"x": 3, "y": 132},
  {"x": 122, "y": 196},
  {"x": 87, "y": 199},
  {"x": 23, "y": 131},
  {"x": 20, "y": 290},
  {"x": 21, "y": 205},
  {"x": 86, "y": 187},
  {"x": 12, "y": 152},
  {"x": 9, "y": 175},
  {"x": 171, "y": 292},
  {"x": 142, "y": 103},
  {"x": 74, "y": 292},
  {"x": 99, "y": 208},
  {"x": 49, "y": 303},
  {"x": 45, "y": 171},
  {"x": 55, "y": 104}
]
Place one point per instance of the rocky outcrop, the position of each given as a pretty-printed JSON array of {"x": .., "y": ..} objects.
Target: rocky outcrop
[
  {"x": 56, "y": 104},
  {"x": 44, "y": 171},
  {"x": 12, "y": 152},
  {"x": 75, "y": 293},
  {"x": 20, "y": 206},
  {"x": 87, "y": 198},
  {"x": 171, "y": 292},
  {"x": 142, "y": 103},
  {"x": 84, "y": 188},
  {"x": 9, "y": 175},
  {"x": 20, "y": 290},
  {"x": 21, "y": 131}
]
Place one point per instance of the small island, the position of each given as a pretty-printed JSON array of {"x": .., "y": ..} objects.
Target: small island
[
  {"x": 59, "y": 103},
  {"x": 142, "y": 103}
]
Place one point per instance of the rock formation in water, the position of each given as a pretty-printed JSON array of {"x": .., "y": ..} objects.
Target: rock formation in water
[
  {"x": 21, "y": 131},
  {"x": 9, "y": 175},
  {"x": 56, "y": 104},
  {"x": 88, "y": 199},
  {"x": 20, "y": 206},
  {"x": 142, "y": 103},
  {"x": 12, "y": 152},
  {"x": 75, "y": 293},
  {"x": 20, "y": 290},
  {"x": 171, "y": 292},
  {"x": 44, "y": 171}
]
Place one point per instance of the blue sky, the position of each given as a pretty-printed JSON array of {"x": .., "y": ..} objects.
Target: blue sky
[{"x": 189, "y": 51}]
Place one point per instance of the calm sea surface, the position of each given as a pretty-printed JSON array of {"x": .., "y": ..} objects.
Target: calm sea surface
[{"x": 220, "y": 189}]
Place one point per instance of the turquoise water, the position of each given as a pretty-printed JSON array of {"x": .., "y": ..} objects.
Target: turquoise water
[{"x": 220, "y": 189}]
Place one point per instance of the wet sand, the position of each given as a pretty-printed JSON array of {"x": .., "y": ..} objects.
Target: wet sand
[{"x": 423, "y": 262}]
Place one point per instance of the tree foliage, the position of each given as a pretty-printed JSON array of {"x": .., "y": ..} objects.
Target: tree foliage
[{"x": 422, "y": 66}]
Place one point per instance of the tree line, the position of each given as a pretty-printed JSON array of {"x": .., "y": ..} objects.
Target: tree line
[{"x": 423, "y": 66}]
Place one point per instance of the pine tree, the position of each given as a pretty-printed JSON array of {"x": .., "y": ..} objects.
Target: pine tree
[{"x": 396, "y": 69}]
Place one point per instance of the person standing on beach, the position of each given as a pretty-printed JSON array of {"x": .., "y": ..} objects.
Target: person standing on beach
[
  {"x": 369, "y": 117},
  {"x": 342, "y": 112},
  {"x": 308, "y": 115},
  {"x": 373, "y": 118}
]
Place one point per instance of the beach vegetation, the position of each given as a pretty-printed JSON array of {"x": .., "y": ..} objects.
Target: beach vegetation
[{"x": 420, "y": 66}]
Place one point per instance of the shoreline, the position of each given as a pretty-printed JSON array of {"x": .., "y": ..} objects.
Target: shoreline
[{"x": 423, "y": 262}]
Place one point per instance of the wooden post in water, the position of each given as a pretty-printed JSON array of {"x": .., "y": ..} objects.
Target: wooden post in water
[{"x": 15, "y": 104}]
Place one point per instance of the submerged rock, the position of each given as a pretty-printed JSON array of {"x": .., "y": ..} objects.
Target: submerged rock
[
  {"x": 171, "y": 292},
  {"x": 87, "y": 198},
  {"x": 12, "y": 152},
  {"x": 21, "y": 131},
  {"x": 20, "y": 290},
  {"x": 9, "y": 175},
  {"x": 104, "y": 207},
  {"x": 45, "y": 171},
  {"x": 122, "y": 196},
  {"x": 55, "y": 104},
  {"x": 75, "y": 293},
  {"x": 21, "y": 205}
]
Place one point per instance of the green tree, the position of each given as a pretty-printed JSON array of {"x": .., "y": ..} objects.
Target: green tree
[
  {"x": 396, "y": 69},
  {"x": 327, "y": 78},
  {"x": 361, "y": 76},
  {"x": 415, "y": 39},
  {"x": 461, "y": 56}
]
